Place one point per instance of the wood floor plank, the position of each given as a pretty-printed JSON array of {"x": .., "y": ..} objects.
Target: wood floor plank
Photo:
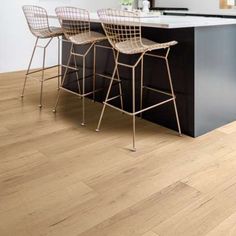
[
  {"x": 150, "y": 233},
  {"x": 58, "y": 178},
  {"x": 225, "y": 228},
  {"x": 205, "y": 214},
  {"x": 229, "y": 128},
  {"x": 42, "y": 204},
  {"x": 215, "y": 177},
  {"x": 143, "y": 216}
]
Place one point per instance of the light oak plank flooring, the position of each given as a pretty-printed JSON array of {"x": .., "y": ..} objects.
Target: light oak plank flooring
[{"x": 58, "y": 178}]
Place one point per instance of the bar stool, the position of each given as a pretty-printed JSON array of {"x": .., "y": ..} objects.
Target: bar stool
[
  {"x": 75, "y": 23},
  {"x": 123, "y": 30},
  {"x": 37, "y": 20}
]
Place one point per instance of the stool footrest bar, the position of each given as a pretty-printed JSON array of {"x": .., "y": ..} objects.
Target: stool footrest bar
[
  {"x": 70, "y": 67},
  {"x": 157, "y": 91},
  {"x": 94, "y": 91},
  {"x": 113, "y": 98},
  {"x": 46, "y": 68},
  {"x": 40, "y": 79},
  {"x": 78, "y": 94},
  {"x": 154, "y": 55},
  {"x": 53, "y": 77},
  {"x": 118, "y": 109},
  {"x": 108, "y": 77},
  {"x": 138, "y": 112},
  {"x": 102, "y": 46},
  {"x": 153, "y": 106},
  {"x": 77, "y": 54},
  {"x": 70, "y": 91}
]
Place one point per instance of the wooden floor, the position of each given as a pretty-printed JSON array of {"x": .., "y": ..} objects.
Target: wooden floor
[{"x": 58, "y": 178}]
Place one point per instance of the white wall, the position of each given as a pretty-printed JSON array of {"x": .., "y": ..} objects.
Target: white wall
[
  {"x": 194, "y": 5},
  {"x": 16, "y": 42}
]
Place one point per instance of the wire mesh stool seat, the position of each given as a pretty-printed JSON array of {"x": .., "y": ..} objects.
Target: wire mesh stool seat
[
  {"x": 38, "y": 23},
  {"x": 123, "y": 30},
  {"x": 75, "y": 23}
]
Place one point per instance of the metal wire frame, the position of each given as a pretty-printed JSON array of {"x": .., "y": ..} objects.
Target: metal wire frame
[
  {"x": 73, "y": 20},
  {"x": 121, "y": 26},
  {"x": 123, "y": 29},
  {"x": 37, "y": 20},
  {"x": 120, "y": 29},
  {"x": 75, "y": 23}
]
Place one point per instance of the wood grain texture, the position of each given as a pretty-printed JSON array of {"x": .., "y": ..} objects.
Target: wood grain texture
[
  {"x": 58, "y": 178},
  {"x": 150, "y": 233}
]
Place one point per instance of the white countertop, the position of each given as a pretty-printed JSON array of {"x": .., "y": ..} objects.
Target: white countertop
[
  {"x": 226, "y": 12},
  {"x": 172, "y": 22},
  {"x": 178, "y": 21}
]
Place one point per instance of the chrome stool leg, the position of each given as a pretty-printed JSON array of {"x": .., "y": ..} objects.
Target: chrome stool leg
[
  {"x": 134, "y": 125},
  {"x": 59, "y": 63},
  {"x": 133, "y": 113},
  {"x": 63, "y": 80},
  {"x": 172, "y": 92},
  {"x": 43, "y": 72},
  {"x": 120, "y": 90},
  {"x": 119, "y": 81},
  {"x": 94, "y": 72},
  {"x": 76, "y": 73},
  {"x": 30, "y": 63},
  {"x": 41, "y": 94},
  {"x": 83, "y": 92},
  {"x": 134, "y": 97},
  {"x": 105, "y": 76},
  {"x": 108, "y": 93},
  {"x": 83, "y": 83},
  {"x": 141, "y": 89},
  {"x": 42, "y": 79}
]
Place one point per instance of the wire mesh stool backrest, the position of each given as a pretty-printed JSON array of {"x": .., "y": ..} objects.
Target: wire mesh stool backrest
[
  {"x": 37, "y": 18},
  {"x": 73, "y": 20},
  {"x": 121, "y": 26}
]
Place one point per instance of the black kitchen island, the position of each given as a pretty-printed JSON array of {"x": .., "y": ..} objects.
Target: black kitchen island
[{"x": 203, "y": 67}]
